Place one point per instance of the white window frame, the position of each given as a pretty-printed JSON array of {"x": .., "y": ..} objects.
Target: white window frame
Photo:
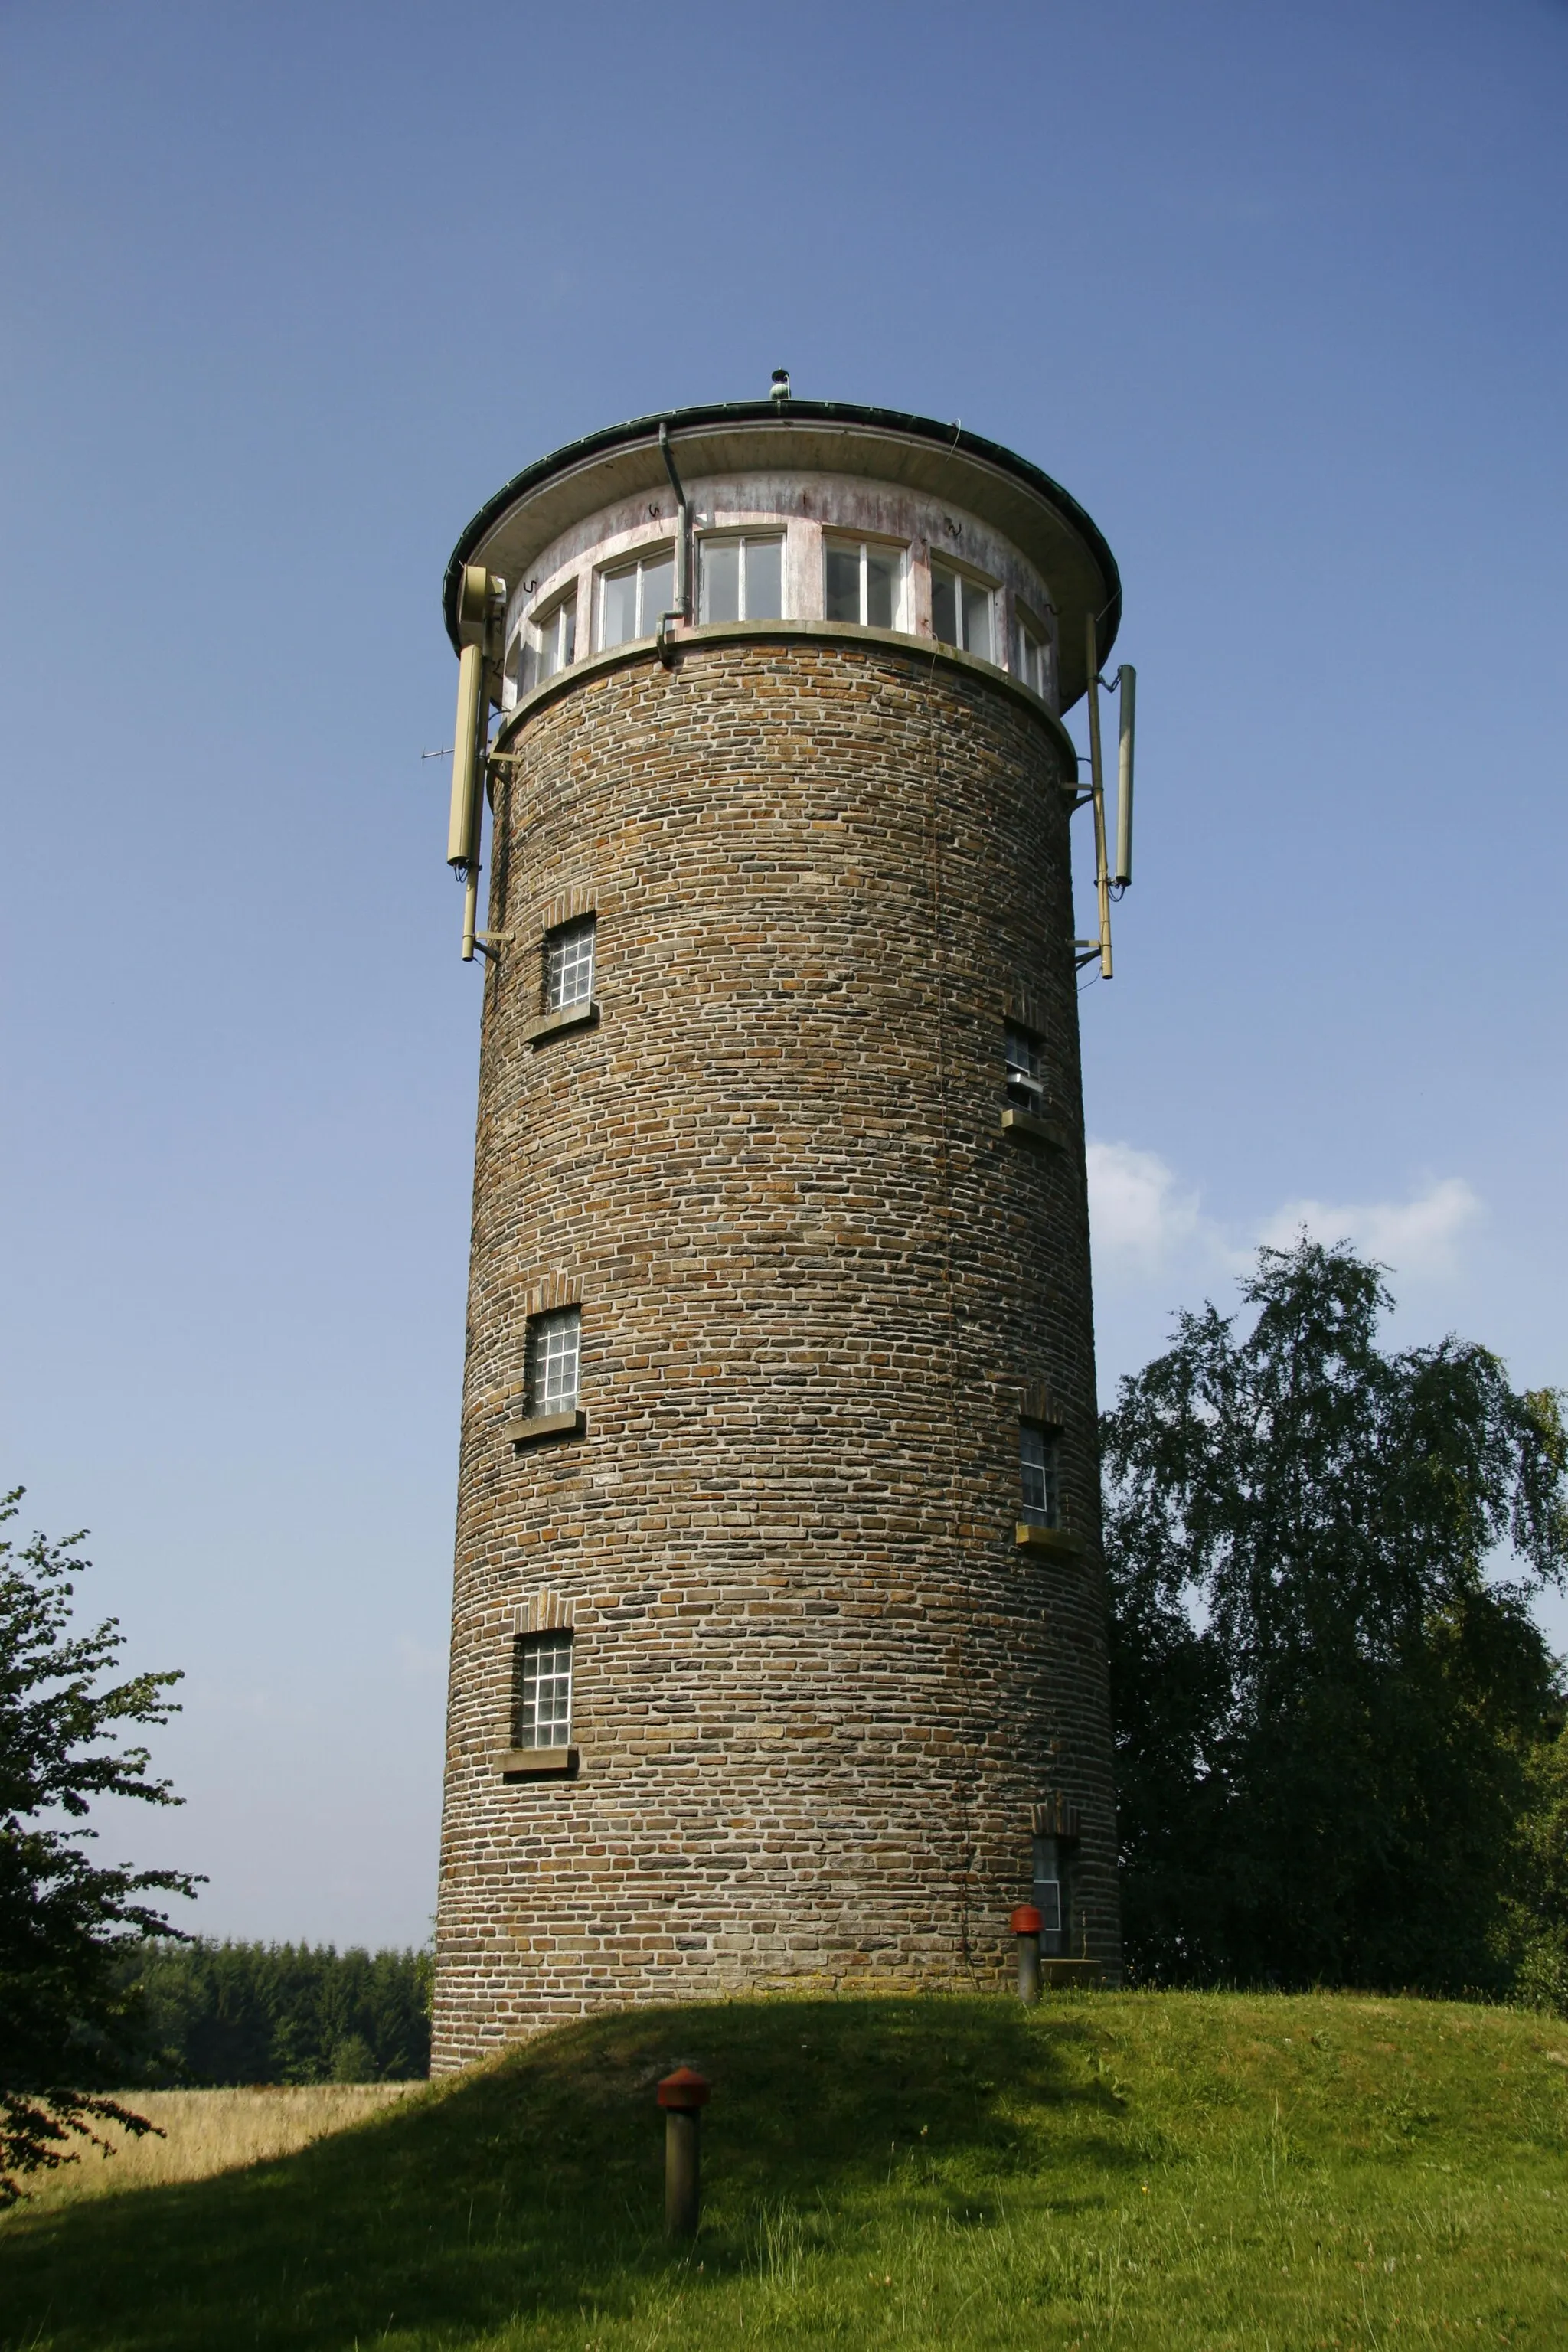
[
  {"x": 1031, "y": 638},
  {"x": 961, "y": 578},
  {"x": 549, "y": 640},
  {"x": 554, "y": 1340},
  {"x": 1049, "y": 1892},
  {"x": 773, "y": 535},
  {"x": 640, "y": 559},
  {"x": 1025, "y": 1081},
  {"x": 565, "y": 965},
  {"x": 844, "y": 540},
  {"x": 1046, "y": 1510},
  {"x": 542, "y": 1700}
]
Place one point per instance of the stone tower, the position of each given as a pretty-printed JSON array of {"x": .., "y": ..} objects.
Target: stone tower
[{"x": 778, "y": 1648}]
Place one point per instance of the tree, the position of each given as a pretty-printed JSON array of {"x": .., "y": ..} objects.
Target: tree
[
  {"x": 228, "y": 2013},
  {"x": 68, "y": 2022},
  {"x": 1328, "y": 1704},
  {"x": 1538, "y": 1884}
]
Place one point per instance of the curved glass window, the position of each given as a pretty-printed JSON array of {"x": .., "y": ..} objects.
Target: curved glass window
[
  {"x": 863, "y": 581},
  {"x": 557, "y": 643},
  {"x": 741, "y": 579},
  {"x": 962, "y": 612},
  {"x": 634, "y": 597},
  {"x": 1032, "y": 659}
]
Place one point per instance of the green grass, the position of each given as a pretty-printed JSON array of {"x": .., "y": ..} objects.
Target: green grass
[{"x": 1147, "y": 2172}]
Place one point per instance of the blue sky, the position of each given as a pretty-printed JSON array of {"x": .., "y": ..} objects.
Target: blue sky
[{"x": 1276, "y": 290}]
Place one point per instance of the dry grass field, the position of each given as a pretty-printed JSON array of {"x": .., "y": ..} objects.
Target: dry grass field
[{"x": 206, "y": 2132}]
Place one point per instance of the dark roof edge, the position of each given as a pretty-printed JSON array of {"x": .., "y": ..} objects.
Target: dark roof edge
[{"x": 818, "y": 412}]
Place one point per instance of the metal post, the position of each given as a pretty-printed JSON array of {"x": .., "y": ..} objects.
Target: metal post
[
  {"x": 1096, "y": 786},
  {"x": 1025, "y": 1925},
  {"x": 682, "y": 2096}
]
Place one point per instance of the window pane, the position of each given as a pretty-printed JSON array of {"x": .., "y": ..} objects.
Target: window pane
[
  {"x": 1039, "y": 1485},
  {"x": 569, "y": 965},
  {"x": 1048, "y": 1904},
  {"x": 620, "y": 614},
  {"x": 945, "y": 605},
  {"x": 1025, "y": 1064},
  {"x": 657, "y": 592},
  {"x": 550, "y": 646},
  {"x": 721, "y": 580},
  {"x": 554, "y": 1374},
  {"x": 881, "y": 586},
  {"x": 569, "y": 632},
  {"x": 764, "y": 579},
  {"x": 842, "y": 581},
  {"x": 977, "y": 620},
  {"x": 543, "y": 1689}
]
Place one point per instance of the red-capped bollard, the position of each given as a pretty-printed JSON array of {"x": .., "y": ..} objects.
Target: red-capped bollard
[
  {"x": 682, "y": 2096},
  {"x": 1026, "y": 1928}
]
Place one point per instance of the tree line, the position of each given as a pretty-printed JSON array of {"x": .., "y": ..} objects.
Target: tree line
[{"x": 212, "y": 2013}]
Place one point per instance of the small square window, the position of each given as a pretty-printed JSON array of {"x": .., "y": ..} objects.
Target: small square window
[
  {"x": 569, "y": 964},
  {"x": 554, "y": 1346},
  {"x": 541, "y": 1691},
  {"x": 1039, "y": 1474},
  {"x": 1024, "y": 1061},
  {"x": 634, "y": 597},
  {"x": 549, "y": 643},
  {"x": 741, "y": 579},
  {"x": 962, "y": 612},
  {"x": 863, "y": 582}
]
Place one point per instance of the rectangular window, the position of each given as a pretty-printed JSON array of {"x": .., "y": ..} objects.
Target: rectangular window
[
  {"x": 1039, "y": 1474},
  {"x": 1032, "y": 659},
  {"x": 569, "y": 964},
  {"x": 862, "y": 582},
  {"x": 1024, "y": 1061},
  {"x": 741, "y": 579},
  {"x": 542, "y": 1693},
  {"x": 555, "y": 1344},
  {"x": 960, "y": 612},
  {"x": 634, "y": 598},
  {"x": 556, "y": 645},
  {"x": 1047, "y": 1894}
]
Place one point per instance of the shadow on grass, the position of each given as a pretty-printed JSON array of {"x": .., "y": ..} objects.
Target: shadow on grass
[{"x": 532, "y": 2187}]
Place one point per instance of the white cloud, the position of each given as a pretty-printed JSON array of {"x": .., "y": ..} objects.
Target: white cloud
[
  {"x": 1146, "y": 1222},
  {"x": 1139, "y": 1214},
  {"x": 1415, "y": 1237}
]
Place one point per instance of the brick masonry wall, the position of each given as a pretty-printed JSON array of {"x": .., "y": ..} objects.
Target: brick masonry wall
[{"x": 819, "y": 1685}]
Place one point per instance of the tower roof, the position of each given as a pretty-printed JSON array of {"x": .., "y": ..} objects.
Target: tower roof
[{"x": 919, "y": 453}]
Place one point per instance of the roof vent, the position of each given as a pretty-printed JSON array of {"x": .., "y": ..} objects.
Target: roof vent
[{"x": 780, "y": 386}]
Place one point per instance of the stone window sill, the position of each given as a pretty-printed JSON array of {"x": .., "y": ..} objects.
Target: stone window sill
[
  {"x": 565, "y": 1016},
  {"x": 1030, "y": 1129},
  {"x": 541, "y": 1425},
  {"x": 1056, "y": 1540},
  {"x": 539, "y": 1763}
]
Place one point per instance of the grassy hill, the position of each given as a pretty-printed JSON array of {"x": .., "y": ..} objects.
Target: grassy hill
[{"x": 1142, "y": 2171}]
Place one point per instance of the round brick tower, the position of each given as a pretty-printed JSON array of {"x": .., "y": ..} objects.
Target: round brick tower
[{"x": 778, "y": 1649}]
